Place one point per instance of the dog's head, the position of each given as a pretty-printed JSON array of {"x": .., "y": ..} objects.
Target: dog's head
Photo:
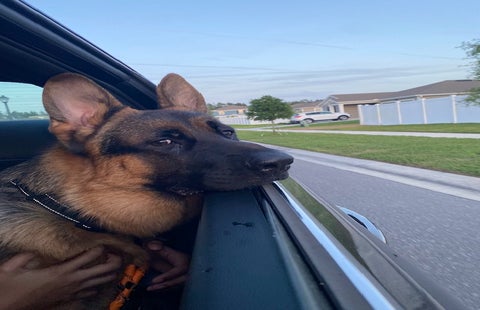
[{"x": 177, "y": 148}]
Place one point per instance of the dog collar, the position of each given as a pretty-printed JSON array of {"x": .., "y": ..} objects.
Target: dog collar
[{"x": 52, "y": 205}]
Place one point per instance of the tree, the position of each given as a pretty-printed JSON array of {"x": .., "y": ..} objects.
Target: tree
[
  {"x": 472, "y": 49},
  {"x": 268, "y": 108}
]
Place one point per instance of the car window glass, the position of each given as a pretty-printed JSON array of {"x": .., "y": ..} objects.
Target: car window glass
[{"x": 20, "y": 101}]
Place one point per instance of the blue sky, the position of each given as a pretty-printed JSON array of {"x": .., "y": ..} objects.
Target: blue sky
[{"x": 236, "y": 51}]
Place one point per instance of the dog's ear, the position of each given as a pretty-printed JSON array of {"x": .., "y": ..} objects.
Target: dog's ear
[
  {"x": 76, "y": 106},
  {"x": 175, "y": 93}
]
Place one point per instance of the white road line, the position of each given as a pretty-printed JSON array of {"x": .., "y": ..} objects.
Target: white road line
[{"x": 445, "y": 189}]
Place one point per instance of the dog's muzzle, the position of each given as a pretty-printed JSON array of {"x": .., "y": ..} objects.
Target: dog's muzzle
[{"x": 271, "y": 162}]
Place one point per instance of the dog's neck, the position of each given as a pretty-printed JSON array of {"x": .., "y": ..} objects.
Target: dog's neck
[
  {"x": 50, "y": 204},
  {"x": 72, "y": 180}
]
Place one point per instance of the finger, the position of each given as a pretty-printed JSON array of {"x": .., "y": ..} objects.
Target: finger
[
  {"x": 85, "y": 294},
  {"x": 82, "y": 259},
  {"x": 167, "y": 284},
  {"x": 112, "y": 264},
  {"x": 98, "y": 281},
  {"x": 161, "y": 265},
  {"x": 16, "y": 262},
  {"x": 155, "y": 245},
  {"x": 171, "y": 274},
  {"x": 172, "y": 256}
]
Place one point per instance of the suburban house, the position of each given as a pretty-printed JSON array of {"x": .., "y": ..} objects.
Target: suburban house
[
  {"x": 349, "y": 102},
  {"x": 306, "y": 106},
  {"x": 229, "y": 110}
]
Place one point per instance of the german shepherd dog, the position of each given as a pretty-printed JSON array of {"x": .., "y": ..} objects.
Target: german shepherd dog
[{"x": 125, "y": 173}]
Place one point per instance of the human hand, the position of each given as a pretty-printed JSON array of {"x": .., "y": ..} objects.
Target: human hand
[
  {"x": 173, "y": 265},
  {"x": 24, "y": 288}
]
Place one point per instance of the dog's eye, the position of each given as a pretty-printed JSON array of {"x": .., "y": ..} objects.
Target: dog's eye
[
  {"x": 228, "y": 133},
  {"x": 161, "y": 142}
]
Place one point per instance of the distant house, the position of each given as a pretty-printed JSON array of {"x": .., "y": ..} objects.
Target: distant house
[
  {"x": 307, "y": 106},
  {"x": 349, "y": 102},
  {"x": 229, "y": 110}
]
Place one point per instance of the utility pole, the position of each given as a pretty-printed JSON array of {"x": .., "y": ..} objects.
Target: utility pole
[{"x": 4, "y": 100}]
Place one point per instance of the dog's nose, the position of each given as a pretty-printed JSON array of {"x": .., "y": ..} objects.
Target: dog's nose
[{"x": 270, "y": 162}]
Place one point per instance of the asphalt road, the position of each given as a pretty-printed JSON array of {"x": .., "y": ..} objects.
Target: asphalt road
[{"x": 429, "y": 218}]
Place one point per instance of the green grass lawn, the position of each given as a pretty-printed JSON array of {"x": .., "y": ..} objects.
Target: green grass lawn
[
  {"x": 460, "y": 156},
  {"x": 355, "y": 126}
]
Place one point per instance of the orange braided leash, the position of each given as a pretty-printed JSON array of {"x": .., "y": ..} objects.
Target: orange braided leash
[{"x": 131, "y": 277}]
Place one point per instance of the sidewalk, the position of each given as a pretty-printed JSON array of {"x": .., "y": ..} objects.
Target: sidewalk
[
  {"x": 378, "y": 133},
  {"x": 391, "y": 133}
]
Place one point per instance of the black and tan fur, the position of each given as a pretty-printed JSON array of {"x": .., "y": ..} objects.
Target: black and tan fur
[{"x": 135, "y": 173}]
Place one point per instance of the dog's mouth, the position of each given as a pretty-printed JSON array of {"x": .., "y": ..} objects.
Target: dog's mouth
[{"x": 184, "y": 191}]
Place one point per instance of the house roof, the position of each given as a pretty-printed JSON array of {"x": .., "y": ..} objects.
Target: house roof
[
  {"x": 306, "y": 104},
  {"x": 448, "y": 87},
  {"x": 445, "y": 87},
  {"x": 361, "y": 96}
]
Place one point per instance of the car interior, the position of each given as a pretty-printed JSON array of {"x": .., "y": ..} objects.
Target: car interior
[{"x": 252, "y": 248}]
